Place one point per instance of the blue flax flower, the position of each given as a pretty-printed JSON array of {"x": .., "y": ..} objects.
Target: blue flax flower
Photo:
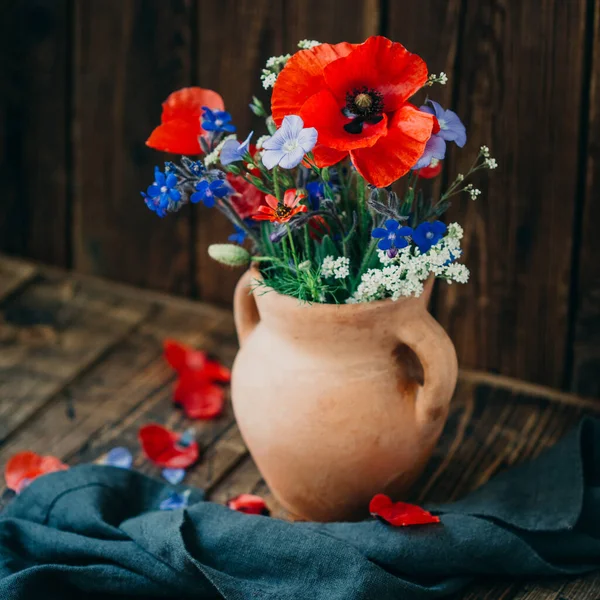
[
  {"x": 207, "y": 192},
  {"x": 232, "y": 151},
  {"x": 288, "y": 145},
  {"x": 218, "y": 121},
  {"x": 316, "y": 193},
  {"x": 163, "y": 196},
  {"x": 451, "y": 130},
  {"x": 119, "y": 457},
  {"x": 428, "y": 234},
  {"x": 239, "y": 236},
  {"x": 393, "y": 236},
  {"x": 175, "y": 500}
]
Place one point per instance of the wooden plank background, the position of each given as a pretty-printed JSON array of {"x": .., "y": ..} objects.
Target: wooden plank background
[{"x": 81, "y": 83}]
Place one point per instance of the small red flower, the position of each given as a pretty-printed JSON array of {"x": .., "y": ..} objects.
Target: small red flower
[
  {"x": 399, "y": 514},
  {"x": 356, "y": 96},
  {"x": 282, "y": 212},
  {"x": 167, "y": 448},
  {"x": 249, "y": 504},
  {"x": 433, "y": 170},
  {"x": 181, "y": 126},
  {"x": 24, "y": 467},
  {"x": 318, "y": 228}
]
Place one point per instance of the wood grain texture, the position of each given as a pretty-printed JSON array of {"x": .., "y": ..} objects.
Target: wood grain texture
[
  {"x": 129, "y": 56},
  {"x": 585, "y": 377},
  {"x": 34, "y": 129},
  {"x": 50, "y": 332},
  {"x": 13, "y": 274},
  {"x": 232, "y": 69},
  {"x": 520, "y": 80}
]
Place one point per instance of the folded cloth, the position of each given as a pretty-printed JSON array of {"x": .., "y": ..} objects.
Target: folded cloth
[{"x": 94, "y": 532}]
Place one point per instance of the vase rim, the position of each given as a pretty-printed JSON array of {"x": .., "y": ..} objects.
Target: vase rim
[{"x": 360, "y": 307}]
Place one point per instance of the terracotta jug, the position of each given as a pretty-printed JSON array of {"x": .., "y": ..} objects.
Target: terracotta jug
[{"x": 337, "y": 403}]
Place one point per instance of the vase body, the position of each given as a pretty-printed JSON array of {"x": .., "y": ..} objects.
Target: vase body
[{"x": 337, "y": 403}]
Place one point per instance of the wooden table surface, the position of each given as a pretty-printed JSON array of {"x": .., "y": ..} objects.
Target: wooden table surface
[{"x": 81, "y": 369}]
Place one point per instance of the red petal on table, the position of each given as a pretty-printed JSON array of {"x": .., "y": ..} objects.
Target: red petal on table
[
  {"x": 400, "y": 514},
  {"x": 161, "y": 446},
  {"x": 26, "y": 466},
  {"x": 199, "y": 397},
  {"x": 182, "y": 358},
  {"x": 249, "y": 504}
]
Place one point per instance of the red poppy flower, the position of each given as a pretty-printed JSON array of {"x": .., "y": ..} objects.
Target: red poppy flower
[
  {"x": 281, "y": 213},
  {"x": 433, "y": 170},
  {"x": 356, "y": 97},
  {"x": 164, "y": 447},
  {"x": 181, "y": 126},
  {"x": 24, "y": 467},
  {"x": 318, "y": 228},
  {"x": 247, "y": 198},
  {"x": 249, "y": 504},
  {"x": 399, "y": 514},
  {"x": 199, "y": 397}
]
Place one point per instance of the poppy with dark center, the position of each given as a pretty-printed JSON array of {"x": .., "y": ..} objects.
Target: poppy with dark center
[
  {"x": 181, "y": 121},
  {"x": 166, "y": 448},
  {"x": 22, "y": 468},
  {"x": 399, "y": 514},
  {"x": 249, "y": 504},
  {"x": 356, "y": 96}
]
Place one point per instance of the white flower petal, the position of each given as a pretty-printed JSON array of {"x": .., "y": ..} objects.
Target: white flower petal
[
  {"x": 307, "y": 139},
  {"x": 271, "y": 158},
  {"x": 292, "y": 159}
]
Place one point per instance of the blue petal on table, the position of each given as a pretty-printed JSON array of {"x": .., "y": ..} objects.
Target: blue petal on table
[
  {"x": 119, "y": 457},
  {"x": 173, "y": 476},
  {"x": 175, "y": 500}
]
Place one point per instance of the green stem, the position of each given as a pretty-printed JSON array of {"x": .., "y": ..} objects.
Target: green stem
[
  {"x": 276, "y": 183},
  {"x": 232, "y": 215},
  {"x": 293, "y": 248}
]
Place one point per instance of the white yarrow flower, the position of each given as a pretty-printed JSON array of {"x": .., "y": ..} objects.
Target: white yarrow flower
[{"x": 338, "y": 268}]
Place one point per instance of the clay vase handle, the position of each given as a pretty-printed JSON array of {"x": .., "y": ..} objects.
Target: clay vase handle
[
  {"x": 427, "y": 338},
  {"x": 245, "y": 311}
]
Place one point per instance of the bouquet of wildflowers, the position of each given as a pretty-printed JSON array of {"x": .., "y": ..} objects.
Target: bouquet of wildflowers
[{"x": 329, "y": 205}]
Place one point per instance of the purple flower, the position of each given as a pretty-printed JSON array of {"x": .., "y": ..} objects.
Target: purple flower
[
  {"x": 232, "y": 151},
  {"x": 119, "y": 457},
  {"x": 428, "y": 234},
  {"x": 392, "y": 235},
  {"x": 288, "y": 145},
  {"x": 163, "y": 196},
  {"x": 451, "y": 127},
  {"x": 451, "y": 130},
  {"x": 175, "y": 500},
  {"x": 173, "y": 476},
  {"x": 207, "y": 192},
  {"x": 218, "y": 121}
]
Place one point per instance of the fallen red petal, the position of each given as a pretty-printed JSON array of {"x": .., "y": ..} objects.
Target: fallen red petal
[
  {"x": 185, "y": 358},
  {"x": 199, "y": 397},
  {"x": 400, "y": 514},
  {"x": 161, "y": 446},
  {"x": 27, "y": 466},
  {"x": 249, "y": 504}
]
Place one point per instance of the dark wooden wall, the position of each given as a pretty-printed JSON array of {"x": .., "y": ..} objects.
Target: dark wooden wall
[{"x": 81, "y": 83}]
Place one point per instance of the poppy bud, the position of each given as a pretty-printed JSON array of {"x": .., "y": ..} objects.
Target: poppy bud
[{"x": 229, "y": 254}]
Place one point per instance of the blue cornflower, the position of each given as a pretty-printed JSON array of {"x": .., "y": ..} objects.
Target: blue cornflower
[
  {"x": 428, "y": 234},
  {"x": 162, "y": 196},
  {"x": 288, "y": 145},
  {"x": 239, "y": 236},
  {"x": 451, "y": 130},
  {"x": 393, "y": 236},
  {"x": 216, "y": 120},
  {"x": 316, "y": 193},
  {"x": 207, "y": 192},
  {"x": 232, "y": 151}
]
